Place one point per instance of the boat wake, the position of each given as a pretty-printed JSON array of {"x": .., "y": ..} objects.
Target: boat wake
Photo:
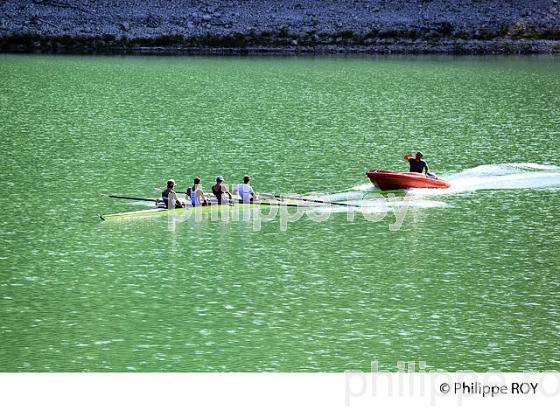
[{"x": 505, "y": 176}]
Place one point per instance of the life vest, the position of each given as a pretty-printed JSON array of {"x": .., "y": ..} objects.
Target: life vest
[{"x": 417, "y": 166}]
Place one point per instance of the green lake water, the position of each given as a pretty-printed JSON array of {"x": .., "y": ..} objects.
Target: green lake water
[{"x": 469, "y": 281}]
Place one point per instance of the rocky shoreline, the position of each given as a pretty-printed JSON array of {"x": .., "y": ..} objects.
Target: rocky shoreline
[
  {"x": 391, "y": 46},
  {"x": 289, "y": 27}
]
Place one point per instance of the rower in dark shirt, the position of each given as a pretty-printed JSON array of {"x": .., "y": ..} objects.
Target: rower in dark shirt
[
  {"x": 417, "y": 164},
  {"x": 221, "y": 192},
  {"x": 169, "y": 196}
]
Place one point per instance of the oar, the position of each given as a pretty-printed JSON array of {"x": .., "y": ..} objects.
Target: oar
[
  {"x": 133, "y": 198},
  {"x": 282, "y": 204},
  {"x": 310, "y": 200}
]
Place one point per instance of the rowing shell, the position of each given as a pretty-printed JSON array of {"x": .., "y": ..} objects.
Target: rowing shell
[{"x": 181, "y": 211}]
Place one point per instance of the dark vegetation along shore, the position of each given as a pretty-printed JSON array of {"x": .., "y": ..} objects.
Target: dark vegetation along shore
[{"x": 281, "y": 27}]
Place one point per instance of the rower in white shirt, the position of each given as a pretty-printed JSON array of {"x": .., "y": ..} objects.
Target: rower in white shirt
[
  {"x": 197, "y": 194},
  {"x": 245, "y": 191}
]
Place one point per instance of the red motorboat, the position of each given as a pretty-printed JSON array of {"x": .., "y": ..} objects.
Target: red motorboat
[{"x": 387, "y": 180}]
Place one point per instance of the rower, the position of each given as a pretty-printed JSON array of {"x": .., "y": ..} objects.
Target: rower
[
  {"x": 169, "y": 196},
  {"x": 245, "y": 191},
  {"x": 197, "y": 194},
  {"x": 220, "y": 191},
  {"x": 417, "y": 164}
]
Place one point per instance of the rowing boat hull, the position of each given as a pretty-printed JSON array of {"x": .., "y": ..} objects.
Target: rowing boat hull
[
  {"x": 387, "y": 180},
  {"x": 156, "y": 212}
]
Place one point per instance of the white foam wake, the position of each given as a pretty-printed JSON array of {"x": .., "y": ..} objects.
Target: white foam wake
[{"x": 505, "y": 176}]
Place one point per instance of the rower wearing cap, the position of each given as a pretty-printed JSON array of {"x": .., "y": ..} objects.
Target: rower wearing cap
[
  {"x": 220, "y": 190},
  {"x": 197, "y": 194},
  {"x": 245, "y": 191},
  {"x": 169, "y": 196}
]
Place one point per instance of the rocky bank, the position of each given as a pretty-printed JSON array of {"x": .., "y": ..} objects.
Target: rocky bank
[{"x": 281, "y": 27}]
